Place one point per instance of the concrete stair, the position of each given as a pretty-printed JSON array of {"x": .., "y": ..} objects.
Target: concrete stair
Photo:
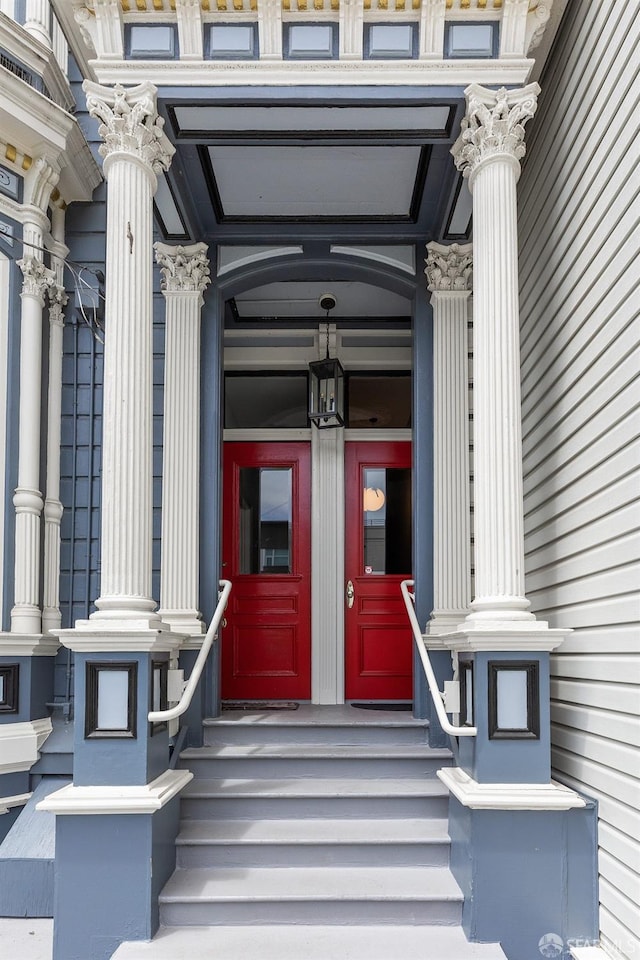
[{"x": 319, "y": 834}]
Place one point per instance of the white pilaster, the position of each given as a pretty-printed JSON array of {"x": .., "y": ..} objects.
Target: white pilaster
[
  {"x": 26, "y": 616},
  {"x": 189, "y": 13},
  {"x": 488, "y": 152},
  {"x": 327, "y": 566},
  {"x": 351, "y": 29},
  {"x": 185, "y": 275},
  {"x": 513, "y": 28},
  {"x": 36, "y": 22},
  {"x": 432, "y": 14},
  {"x": 449, "y": 271},
  {"x": 108, "y": 35},
  {"x": 270, "y": 29},
  {"x": 135, "y": 149},
  {"x": 51, "y": 616}
]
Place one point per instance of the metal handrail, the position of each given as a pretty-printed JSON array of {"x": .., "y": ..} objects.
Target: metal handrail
[
  {"x": 436, "y": 695},
  {"x": 159, "y": 716}
]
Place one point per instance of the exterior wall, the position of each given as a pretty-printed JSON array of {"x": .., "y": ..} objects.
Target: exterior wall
[{"x": 580, "y": 357}]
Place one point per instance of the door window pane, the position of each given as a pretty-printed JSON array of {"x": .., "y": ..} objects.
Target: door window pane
[
  {"x": 379, "y": 401},
  {"x": 386, "y": 511},
  {"x": 265, "y": 520},
  {"x": 257, "y": 401}
]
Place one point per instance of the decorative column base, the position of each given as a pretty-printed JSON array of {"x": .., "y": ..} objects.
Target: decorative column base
[{"x": 188, "y": 624}]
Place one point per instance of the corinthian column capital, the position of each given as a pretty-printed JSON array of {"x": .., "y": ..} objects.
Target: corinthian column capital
[
  {"x": 184, "y": 269},
  {"x": 58, "y": 300},
  {"x": 449, "y": 268},
  {"x": 37, "y": 279},
  {"x": 494, "y": 126},
  {"x": 130, "y": 124}
]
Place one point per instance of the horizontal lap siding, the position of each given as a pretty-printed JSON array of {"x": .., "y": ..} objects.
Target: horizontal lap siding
[{"x": 579, "y": 204}]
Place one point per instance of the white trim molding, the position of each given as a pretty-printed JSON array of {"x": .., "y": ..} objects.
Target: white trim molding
[
  {"x": 93, "y": 801},
  {"x": 18, "y": 800},
  {"x": 21, "y": 645},
  {"x": 508, "y": 796},
  {"x": 495, "y": 636},
  {"x": 20, "y": 744}
]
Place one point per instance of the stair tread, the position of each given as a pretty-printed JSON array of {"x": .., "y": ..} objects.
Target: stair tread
[
  {"x": 308, "y": 751},
  {"x": 296, "y": 884},
  {"x": 309, "y": 715},
  {"x": 314, "y": 787},
  {"x": 312, "y": 831},
  {"x": 274, "y": 942}
]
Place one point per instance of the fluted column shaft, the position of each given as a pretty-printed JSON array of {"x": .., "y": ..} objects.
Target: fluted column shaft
[
  {"x": 134, "y": 149},
  {"x": 185, "y": 274},
  {"x": 37, "y": 19},
  {"x": 488, "y": 151},
  {"x": 51, "y": 616},
  {"x": 449, "y": 276},
  {"x": 26, "y": 616}
]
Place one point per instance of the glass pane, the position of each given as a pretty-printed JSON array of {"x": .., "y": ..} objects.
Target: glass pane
[
  {"x": 386, "y": 514},
  {"x": 113, "y": 700},
  {"x": 512, "y": 700},
  {"x": 265, "y": 519},
  {"x": 257, "y": 401},
  {"x": 379, "y": 402}
]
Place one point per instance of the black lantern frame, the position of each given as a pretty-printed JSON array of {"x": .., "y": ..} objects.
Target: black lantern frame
[{"x": 326, "y": 393}]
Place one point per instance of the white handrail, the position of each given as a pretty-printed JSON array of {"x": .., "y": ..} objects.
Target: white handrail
[
  {"x": 436, "y": 695},
  {"x": 160, "y": 716}
]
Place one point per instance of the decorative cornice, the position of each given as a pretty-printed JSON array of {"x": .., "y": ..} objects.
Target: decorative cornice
[
  {"x": 87, "y": 801},
  {"x": 37, "y": 278},
  {"x": 20, "y": 744},
  {"x": 184, "y": 269},
  {"x": 508, "y": 796},
  {"x": 129, "y": 123},
  {"x": 27, "y": 645},
  {"x": 493, "y": 125},
  {"x": 449, "y": 268}
]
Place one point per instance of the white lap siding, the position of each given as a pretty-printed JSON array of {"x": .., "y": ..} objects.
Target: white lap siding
[{"x": 579, "y": 204}]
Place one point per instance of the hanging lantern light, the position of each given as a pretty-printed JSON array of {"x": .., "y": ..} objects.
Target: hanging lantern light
[{"x": 326, "y": 382}]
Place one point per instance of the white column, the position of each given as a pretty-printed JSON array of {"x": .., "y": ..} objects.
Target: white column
[
  {"x": 26, "y": 616},
  {"x": 449, "y": 272},
  {"x": 135, "y": 149},
  {"x": 488, "y": 152},
  {"x": 185, "y": 275},
  {"x": 37, "y": 19},
  {"x": 51, "y": 616}
]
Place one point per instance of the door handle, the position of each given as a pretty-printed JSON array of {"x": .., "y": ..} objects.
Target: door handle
[{"x": 350, "y": 593}]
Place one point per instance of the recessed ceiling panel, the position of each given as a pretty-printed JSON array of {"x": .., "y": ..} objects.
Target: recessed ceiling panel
[
  {"x": 300, "y": 299},
  {"x": 315, "y": 181},
  {"x": 216, "y": 120}
]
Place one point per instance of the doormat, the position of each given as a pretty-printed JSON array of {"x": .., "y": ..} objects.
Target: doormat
[
  {"x": 379, "y": 705},
  {"x": 260, "y": 705}
]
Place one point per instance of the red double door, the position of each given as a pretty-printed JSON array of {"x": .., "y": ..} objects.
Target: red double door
[{"x": 266, "y": 645}]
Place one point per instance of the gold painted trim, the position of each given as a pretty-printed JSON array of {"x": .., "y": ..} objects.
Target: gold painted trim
[
  {"x": 11, "y": 153},
  {"x": 27, "y": 162}
]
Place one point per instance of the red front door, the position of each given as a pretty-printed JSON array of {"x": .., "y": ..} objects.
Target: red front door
[
  {"x": 378, "y": 638},
  {"x": 266, "y": 645}
]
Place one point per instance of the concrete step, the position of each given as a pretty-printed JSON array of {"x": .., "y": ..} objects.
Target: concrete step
[
  {"x": 309, "y": 942},
  {"x": 333, "y": 798},
  {"x": 308, "y": 842},
  {"x": 315, "y": 760},
  {"x": 333, "y": 725},
  {"x": 311, "y": 895}
]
